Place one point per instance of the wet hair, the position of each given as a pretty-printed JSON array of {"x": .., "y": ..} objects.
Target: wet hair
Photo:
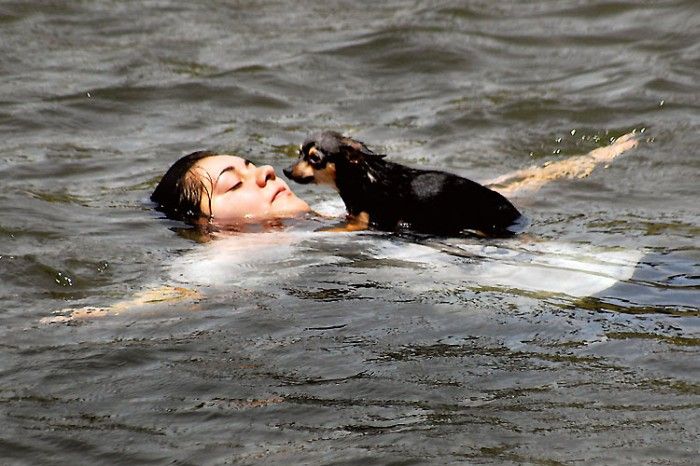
[{"x": 179, "y": 192}]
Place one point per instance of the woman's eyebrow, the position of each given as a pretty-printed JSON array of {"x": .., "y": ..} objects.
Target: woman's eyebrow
[
  {"x": 232, "y": 168},
  {"x": 227, "y": 169}
]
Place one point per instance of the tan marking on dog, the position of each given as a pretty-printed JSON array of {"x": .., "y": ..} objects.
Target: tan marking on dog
[
  {"x": 354, "y": 223},
  {"x": 302, "y": 169},
  {"x": 326, "y": 175}
]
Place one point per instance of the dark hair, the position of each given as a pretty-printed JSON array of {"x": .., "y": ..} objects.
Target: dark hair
[{"x": 179, "y": 193}]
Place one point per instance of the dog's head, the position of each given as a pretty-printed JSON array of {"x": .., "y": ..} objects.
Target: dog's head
[{"x": 320, "y": 154}]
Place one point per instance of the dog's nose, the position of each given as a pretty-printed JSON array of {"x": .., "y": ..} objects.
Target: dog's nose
[{"x": 287, "y": 172}]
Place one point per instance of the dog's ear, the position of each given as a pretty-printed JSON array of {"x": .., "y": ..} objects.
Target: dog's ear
[{"x": 357, "y": 150}]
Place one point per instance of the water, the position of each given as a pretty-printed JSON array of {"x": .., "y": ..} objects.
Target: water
[{"x": 367, "y": 348}]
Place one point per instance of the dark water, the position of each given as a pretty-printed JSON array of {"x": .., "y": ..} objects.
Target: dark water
[{"x": 358, "y": 349}]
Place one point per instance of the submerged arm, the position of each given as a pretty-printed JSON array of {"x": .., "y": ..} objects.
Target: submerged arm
[{"x": 144, "y": 301}]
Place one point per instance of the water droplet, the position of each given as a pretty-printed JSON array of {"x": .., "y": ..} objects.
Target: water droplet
[
  {"x": 642, "y": 130},
  {"x": 63, "y": 280},
  {"x": 661, "y": 103},
  {"x": 89, "y": 96},
  {"x": 558, "y": 140},
  {"x": 573, "y": 132}
]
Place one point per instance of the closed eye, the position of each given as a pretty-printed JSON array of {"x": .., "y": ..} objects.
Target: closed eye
[{"x": 236, "y": 186}]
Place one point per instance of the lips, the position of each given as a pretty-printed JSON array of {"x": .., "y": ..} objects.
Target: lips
[{"x": 281, "y": 190}]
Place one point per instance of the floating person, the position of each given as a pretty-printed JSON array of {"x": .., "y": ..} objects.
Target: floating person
[{"x": 222, "y": 194}]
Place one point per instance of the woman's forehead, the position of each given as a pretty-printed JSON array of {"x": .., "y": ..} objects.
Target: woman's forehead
[{"x": 216, "y": 163}]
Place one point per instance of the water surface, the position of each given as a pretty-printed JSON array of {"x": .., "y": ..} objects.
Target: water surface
[{"x": 354, "y": 349}]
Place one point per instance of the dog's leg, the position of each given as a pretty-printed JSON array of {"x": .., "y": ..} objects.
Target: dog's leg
[
  {"x": 354, "y": 223},
  {"x": 532, "y": 179}
]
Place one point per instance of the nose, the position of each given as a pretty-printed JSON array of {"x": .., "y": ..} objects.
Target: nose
[{"x": 264, "y": 174}]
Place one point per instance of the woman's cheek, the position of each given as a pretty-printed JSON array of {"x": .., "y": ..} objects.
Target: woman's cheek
[{"x": 239, "y": 204}]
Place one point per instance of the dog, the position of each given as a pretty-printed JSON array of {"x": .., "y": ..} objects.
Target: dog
[{"x": 393, "y": 197}]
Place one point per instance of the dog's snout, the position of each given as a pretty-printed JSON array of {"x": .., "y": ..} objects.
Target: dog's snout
[{"x": 301, "y": 172}]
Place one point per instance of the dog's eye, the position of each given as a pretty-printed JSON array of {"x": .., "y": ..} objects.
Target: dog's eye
[{"x": 314, "y": 157}]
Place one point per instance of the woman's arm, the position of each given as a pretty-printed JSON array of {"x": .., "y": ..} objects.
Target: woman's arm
[{"x": 144, "y": 301}]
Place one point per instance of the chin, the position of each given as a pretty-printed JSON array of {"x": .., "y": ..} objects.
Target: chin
[
  {"x": 280, "y": 213},
  {"x": 290, "y": 207}
]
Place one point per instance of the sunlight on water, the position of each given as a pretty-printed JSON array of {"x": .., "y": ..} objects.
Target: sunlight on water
[{"x": 130, "y": 338}]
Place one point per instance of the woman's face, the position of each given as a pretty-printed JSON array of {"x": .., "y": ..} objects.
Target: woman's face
[{"x": 236, "y": 190}]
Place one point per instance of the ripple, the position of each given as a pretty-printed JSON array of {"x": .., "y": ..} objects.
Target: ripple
[{"x": 359, "y": 348}]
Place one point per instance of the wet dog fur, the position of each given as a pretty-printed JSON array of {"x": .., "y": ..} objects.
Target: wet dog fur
[{"x": 389, "y": 196}]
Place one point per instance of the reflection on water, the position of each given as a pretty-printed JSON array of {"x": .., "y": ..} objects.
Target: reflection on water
[{"x": 576, "y": 344}]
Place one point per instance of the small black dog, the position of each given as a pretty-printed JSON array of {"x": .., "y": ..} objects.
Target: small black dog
[{"x": 389, "y": 196}]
